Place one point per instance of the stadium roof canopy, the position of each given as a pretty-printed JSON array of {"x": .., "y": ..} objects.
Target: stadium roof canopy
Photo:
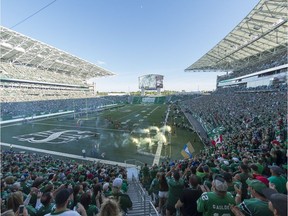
[
  {"x": 20, "y": 49},
  {"x": 261, "y": 34}
]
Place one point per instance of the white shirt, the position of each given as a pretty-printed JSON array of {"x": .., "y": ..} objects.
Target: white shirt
[{"x": 65, "y": 213}]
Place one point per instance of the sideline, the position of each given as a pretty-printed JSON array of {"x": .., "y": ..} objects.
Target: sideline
[
  {"x": 35, "y": 117},
  {"x": 69, "y": 155}
]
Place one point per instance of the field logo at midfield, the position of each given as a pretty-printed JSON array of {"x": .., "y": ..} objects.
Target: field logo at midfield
[{"x": 56, "y": 136}]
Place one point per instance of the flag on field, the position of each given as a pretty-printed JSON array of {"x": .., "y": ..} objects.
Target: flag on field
[{"x": 187, "y": 150}]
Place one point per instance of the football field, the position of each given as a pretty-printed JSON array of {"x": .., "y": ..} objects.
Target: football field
[{"x": 118, "y": 134}]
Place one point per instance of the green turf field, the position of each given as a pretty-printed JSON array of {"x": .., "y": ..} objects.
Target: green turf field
[{"x": 118, "y": 134}]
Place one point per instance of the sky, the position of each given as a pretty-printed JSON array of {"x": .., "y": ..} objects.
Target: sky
[{"x": 132, "y": 38}]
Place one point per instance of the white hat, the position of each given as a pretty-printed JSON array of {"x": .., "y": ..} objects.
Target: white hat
[
  {"x": 105, "y": 186},
  {"x": 226, "y": 162},
  {"x": 117, "y": 182},
  {"x": 220, "y": 184}
]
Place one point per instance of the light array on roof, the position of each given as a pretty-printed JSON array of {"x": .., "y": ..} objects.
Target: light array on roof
[
  {"x": 20, "y": 49},
  {"x": 262, "y": 33}
]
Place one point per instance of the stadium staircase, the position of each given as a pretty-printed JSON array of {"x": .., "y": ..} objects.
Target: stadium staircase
[{"x": 142, "y": 205}]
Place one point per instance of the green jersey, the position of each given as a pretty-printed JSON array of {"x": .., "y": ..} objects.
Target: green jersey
[
  {"x": 280, "y": 183},
  {"x": 44, "y": 210},
  {"x": 175, "y": 190},
  {"x": 202, "y": 175},
  {"x": 92, "y": 210},
  {"x": 260, "y": 168},
  {"x": 255, "y": 207},
  {"x": 211, "y": 204},
  {"x": 154, "y": 187}
]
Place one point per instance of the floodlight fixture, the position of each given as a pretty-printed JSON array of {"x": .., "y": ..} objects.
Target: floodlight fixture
[{"x": 7, "y": 45}]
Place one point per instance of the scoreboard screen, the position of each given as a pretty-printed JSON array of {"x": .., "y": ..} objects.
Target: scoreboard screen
[{"x": 151, "y": 82}]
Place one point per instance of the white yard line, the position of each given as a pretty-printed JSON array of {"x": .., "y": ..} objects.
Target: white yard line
[{"x": 160, "y": 144}]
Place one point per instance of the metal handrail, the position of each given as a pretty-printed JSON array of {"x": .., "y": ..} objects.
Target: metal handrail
[
  {"x": 135, "y": 162},
  {"x": 153, "y": 207},
  {"x": 142, "y": 193}
]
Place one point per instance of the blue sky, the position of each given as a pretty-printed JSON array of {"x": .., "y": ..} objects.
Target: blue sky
[{"x": 132, "y": 37}]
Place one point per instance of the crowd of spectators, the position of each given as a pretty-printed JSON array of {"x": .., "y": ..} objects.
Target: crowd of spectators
[
  {"x": 22, "y": 93},
  {"x": 221, "y": 182},
  {"x": 245, "y": 174},
  {"x": 272, "y": 61},
  {"x": 27, "y": 109},
  {"x": 21, "y": 83},
  {"x": 33, "y": 184},
  {"x": 252, "y": 119},
  {"x": 13, "y": 71}
]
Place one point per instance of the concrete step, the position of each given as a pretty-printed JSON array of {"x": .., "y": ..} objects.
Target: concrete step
[{"x": 138, "y": 205}]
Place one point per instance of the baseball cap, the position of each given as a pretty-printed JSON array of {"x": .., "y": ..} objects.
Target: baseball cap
[
  {"x": 263, "y": 179},
  {"x": 235, "y": 159},
  {"x": 214, "y": 170},
  {"x": 205, "y": 168},
  {"x": 256, "y": 185},
  {"x": 22, "y": 178},
  {"x": 117, "y": 182},
  {"x": 276, "y": 169},
  {"x": 105, "y": 186},
  {"x": 63, "y": 195},
  {"x": 226, "y": 162},
  {"x": 225, "y": 167},
  {"x": 278, "y": 200},
  {"x": 220, "y": 184}
]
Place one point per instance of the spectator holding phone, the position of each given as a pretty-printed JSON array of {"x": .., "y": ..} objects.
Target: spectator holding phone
[{"x": 15, "y": 202}]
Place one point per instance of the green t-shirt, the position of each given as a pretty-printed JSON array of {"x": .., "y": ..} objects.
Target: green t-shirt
[
  {"x": 124, "y": 186},
  {"x": 244, "y": 187},
  {"x": 201, "y": 174},
  {"x": 280, "y": 183},
  {"x": 212, "y": 204},
  {"x": 154, "y": 187},
  {"x": 231, "y": 189},
  {"x": 234, "y": 166},
  {"x": 92, "y": 210},
  {"x": 175, "y": 190},
  {"x": 25, "y": 188},
  {"x": 153, "y": 173},
  {"x": 145, "y": 171},
  {"x": 260, "y": 168},
  {"x": 123, "y": 199},
  {"x": 44, "y": 210},
  {"x": 255, "y": 207}
]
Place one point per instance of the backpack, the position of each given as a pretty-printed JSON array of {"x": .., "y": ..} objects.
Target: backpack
[{"x": 123, "y": 200}]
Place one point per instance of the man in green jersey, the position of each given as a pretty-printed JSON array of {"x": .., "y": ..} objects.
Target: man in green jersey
[
  {"x": 257, "y": 205},
  {"x": 176, "y": 186},
  {"x": 218, "y": 201},
  {"x": 277, "y": 202},
  {"x": 276, "y": 179}
]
